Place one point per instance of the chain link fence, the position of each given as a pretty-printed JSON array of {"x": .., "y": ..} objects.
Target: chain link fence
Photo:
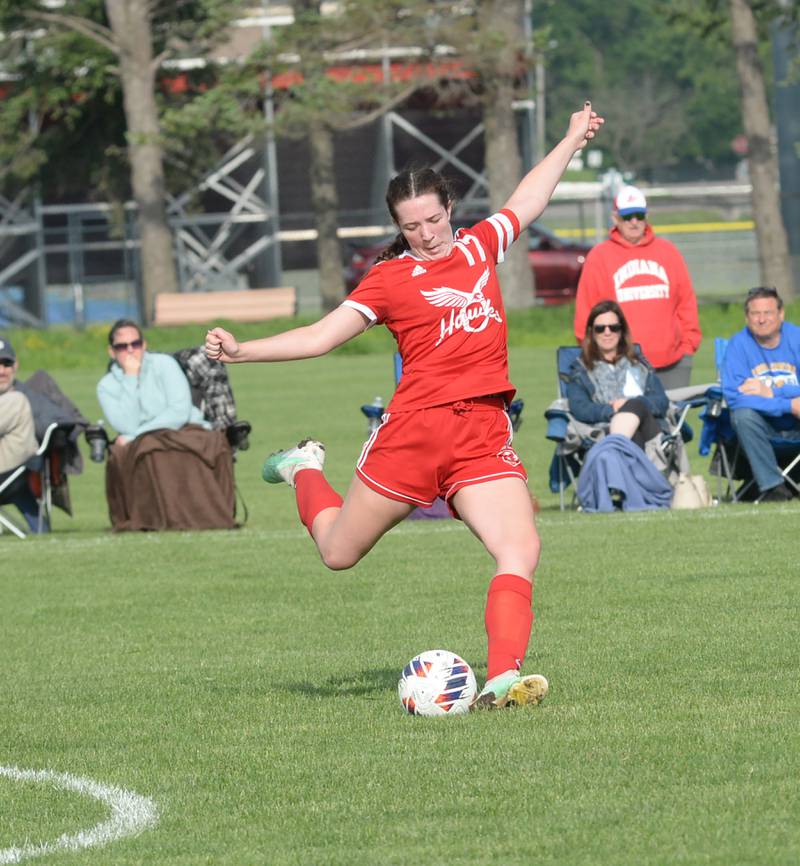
[{"x": 91, "y": 266}]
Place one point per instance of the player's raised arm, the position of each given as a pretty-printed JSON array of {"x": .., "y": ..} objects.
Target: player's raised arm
[
  {"x": 530, "y": 198},
  {"x": 310, "y": 341}
]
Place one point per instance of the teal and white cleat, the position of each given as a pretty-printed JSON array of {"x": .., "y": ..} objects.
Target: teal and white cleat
[
  {"x": 510, "y": 689},
  {"x": 282, "y": 465}
]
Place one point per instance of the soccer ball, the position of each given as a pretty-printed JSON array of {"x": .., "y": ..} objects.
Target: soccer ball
[{"x": 437, "y": 683}]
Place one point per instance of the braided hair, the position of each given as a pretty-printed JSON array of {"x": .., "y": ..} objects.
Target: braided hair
[{"x": 410, "y": 184}]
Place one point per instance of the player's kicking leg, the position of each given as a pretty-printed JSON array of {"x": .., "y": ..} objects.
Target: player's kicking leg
[
  {"x": 343, "y": 530},
  {"x": 501, "y": 514}
]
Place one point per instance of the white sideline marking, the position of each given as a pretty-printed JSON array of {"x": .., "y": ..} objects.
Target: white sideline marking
[
  {"x": 130, "y": 814},
  {"x": 414, "y": 527}
]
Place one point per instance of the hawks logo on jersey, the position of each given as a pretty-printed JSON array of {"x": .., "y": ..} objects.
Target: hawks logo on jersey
[
  {"x": 446, "y": 314},
  {"x": 475, "y": 310}
]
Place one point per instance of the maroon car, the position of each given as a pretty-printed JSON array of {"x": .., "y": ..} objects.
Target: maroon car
[{"x": 556, "y": 264}]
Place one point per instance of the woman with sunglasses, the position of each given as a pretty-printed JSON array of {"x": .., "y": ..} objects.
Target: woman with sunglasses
[
  {"x": 611, "y": 383},
  {"x": 143, "y": 390}
]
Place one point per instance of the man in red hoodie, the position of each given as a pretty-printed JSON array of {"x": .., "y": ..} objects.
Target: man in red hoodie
[{"x": 648, "y": 278}]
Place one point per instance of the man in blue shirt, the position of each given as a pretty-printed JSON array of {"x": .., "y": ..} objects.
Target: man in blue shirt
[{"x": 760, "y": 384}]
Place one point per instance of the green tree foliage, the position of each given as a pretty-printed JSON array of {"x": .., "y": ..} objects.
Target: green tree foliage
[
  {"x": 130, "y": 39},
  {"x": 305, "y": 50},
  {"x": 62, "y": 122},
  {"x": 666, "y": 88},
  {"x": 63, "y": 106},
  {"x": 489, "y": 38},
  {"x": 745, "y": 23}
]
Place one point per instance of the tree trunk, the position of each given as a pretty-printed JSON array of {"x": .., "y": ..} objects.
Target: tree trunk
[
  {"x": 773, "y": 247},
  {"x": 325, "y": 202},
  {"x": 130, "y": 23},
  {"x": 503, "y": 162}
]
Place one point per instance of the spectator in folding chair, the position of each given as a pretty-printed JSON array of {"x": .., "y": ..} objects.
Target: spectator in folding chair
[
  {"x": 760, "y": 385},
  {"x": 17, "y": 438},
  {"x": 166, "y": 461},
  {"x": 27, "y": 410},
  {"x": 142, "y": 390},
  {"x": 611, "y": 384}
]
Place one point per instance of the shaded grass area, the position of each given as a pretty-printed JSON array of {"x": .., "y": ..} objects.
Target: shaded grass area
[{"x": 251, "y": 693}]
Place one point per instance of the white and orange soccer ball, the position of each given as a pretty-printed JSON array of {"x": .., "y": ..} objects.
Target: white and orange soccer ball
[{"x": 437, "y": 683}]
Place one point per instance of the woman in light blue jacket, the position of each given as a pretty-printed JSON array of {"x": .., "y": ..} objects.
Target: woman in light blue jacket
[{"x": 143, "y": 390}]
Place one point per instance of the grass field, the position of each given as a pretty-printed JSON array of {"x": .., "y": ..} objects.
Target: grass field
[{"x": 250, "y": 695}]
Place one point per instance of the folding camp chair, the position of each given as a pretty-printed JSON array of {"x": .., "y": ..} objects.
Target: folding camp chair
[
  {"x": 574, "y": 439},
  {"x": 131, "y": 483},
  {"x": 40, "y": 474},
  {"x": 728, "y": 460},
  {"x": 58, "y": 424}
]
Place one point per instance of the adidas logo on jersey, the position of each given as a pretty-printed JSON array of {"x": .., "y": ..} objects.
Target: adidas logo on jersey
[{"x": 418, "y": 270}]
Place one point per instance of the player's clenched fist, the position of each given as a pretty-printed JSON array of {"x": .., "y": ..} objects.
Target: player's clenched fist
[
  {"x": 584, "y": 125},
  {"x": 221, "y": 346}
]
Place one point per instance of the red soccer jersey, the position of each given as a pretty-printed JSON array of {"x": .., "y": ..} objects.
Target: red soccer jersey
[{"x": 446, "y": 315}]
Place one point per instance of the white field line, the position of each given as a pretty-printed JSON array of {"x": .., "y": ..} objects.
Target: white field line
[
  {"x": 411, "y": 527},
  {"x": 130, "y": 814}
]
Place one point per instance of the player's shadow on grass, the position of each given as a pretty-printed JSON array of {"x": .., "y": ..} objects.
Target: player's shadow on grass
[{"x": 354, "y": 684}]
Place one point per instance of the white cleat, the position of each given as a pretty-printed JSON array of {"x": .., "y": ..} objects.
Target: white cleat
[
  {"x": 283, "y": 465},
  {"x": 510, "y": 689}
]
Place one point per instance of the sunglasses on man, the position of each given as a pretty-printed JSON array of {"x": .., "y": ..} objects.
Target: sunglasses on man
[
  {"x": 638, "y": 215},
  {"x": 121, "y": 347},
  {"x": 615, "y": 329},
  {"x": 6, "y": 362}
]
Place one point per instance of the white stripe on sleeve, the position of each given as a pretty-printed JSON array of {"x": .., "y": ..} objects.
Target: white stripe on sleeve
[
  {"x": 508, "y": 226},
  {"x": 361, "y": 308},
  {"x": 501, "y": 237}
]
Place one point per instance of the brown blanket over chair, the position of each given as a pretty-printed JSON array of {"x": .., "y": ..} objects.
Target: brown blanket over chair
[{"x": 172, "y": 479}]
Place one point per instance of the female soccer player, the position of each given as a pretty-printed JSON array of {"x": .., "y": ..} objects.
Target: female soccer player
[{"x": 445, "y": 432}]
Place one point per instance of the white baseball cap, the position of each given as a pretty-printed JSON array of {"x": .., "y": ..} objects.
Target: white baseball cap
[{"x": 630, "y": 199}]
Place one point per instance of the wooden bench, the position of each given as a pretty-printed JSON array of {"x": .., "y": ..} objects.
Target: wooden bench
[{"x": 251, "y": 305}]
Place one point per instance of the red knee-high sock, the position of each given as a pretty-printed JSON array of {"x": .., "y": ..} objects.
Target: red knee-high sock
[
  {"x": 508, "y": 622},
  {"x": 313, "y": 494}
]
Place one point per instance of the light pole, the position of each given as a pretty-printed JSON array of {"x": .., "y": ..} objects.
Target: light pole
[
  {"x": 274, "y": 263},
  {"x": 533, "y": 151}
]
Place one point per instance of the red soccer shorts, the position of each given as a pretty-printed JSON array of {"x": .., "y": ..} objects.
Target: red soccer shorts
[{"x": 418, "y": 455}]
